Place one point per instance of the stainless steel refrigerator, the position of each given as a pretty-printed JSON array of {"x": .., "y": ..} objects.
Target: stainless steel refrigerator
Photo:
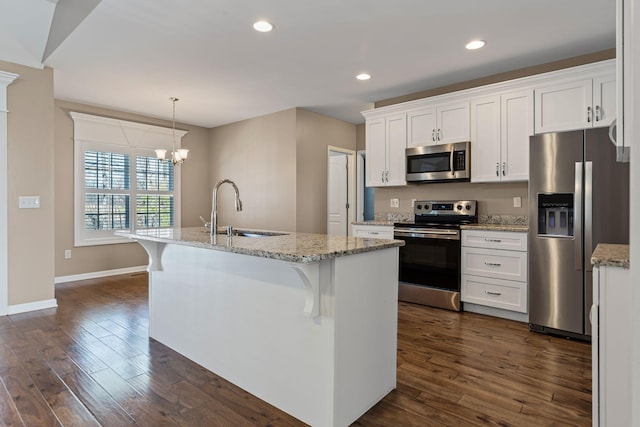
[{"x": 578, "y": 197}]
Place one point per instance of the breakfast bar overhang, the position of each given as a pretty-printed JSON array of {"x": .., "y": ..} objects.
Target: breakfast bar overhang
[{"x": 306, "y": 322}]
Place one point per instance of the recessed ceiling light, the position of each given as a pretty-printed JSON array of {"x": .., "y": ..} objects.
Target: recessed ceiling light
[
  {"x": 363, "y": 76},
  {"x": 262, "y": 26},
  {"x": 475, "y": 44}
]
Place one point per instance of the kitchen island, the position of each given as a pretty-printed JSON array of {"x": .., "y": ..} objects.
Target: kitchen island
[{"x": 306, "y": 322}]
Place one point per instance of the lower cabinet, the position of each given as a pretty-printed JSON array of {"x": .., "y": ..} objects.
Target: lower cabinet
[
  {"x": 373, "y": 231},
  {"x": 611, "y": 320},
  {"x": 495, "y": 269}
]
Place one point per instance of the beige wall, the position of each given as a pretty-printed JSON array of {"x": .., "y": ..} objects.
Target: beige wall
[
  {"x": 360, "y": 138},
  {"x": 279, "y": 162},
  {"x": 30, "y": 173},
  {"x": 259, "y": 155},
  {"x": 495, "y": 199},
  {"x": 510, "y": 75},
  {"x": 87, "y": 259},
  {"x": 315, "y": 133}
]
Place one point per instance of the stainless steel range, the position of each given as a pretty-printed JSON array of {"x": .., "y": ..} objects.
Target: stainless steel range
[{"x": 430, "y": 259}]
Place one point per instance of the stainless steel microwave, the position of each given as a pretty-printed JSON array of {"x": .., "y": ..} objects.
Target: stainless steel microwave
[{"x": 439, "y": 163}]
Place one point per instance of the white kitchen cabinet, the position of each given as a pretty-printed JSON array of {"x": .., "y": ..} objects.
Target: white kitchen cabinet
[
  {"x": 611, "y": 319},
  {"x": 577, "y": 104},
  {"x": 495, "y": 269},
  {"x": 438, "y": 124},
  {"x": 500, "y": 130},
  {"x": 386, "y": 142},
  {"x": 373, "y": 231}
]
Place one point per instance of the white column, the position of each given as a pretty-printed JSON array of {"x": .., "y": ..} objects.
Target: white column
[{"x": 5, "y": 80}]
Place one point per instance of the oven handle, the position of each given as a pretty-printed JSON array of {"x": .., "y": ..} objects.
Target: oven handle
[{"x": 429, "y": 234}]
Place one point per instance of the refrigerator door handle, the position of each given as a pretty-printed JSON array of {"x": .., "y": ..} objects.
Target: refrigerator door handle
[
  {"x": 588, "y": 215},
  {"x": 577, "y": 218}
]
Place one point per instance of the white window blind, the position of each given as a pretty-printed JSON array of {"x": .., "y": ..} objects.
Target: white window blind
[{"x": 120, "y": 184}]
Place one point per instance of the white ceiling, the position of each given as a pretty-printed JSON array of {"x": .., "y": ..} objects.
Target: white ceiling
[{"x": 132, "y": 55}]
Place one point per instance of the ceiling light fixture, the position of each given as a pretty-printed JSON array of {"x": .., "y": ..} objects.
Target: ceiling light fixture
[
  {"x": 177, "y": 156},
  {"x": 363, "y": 76},
  {"x": 475, "y": 44},
  {"x": 262, "y": 26}
]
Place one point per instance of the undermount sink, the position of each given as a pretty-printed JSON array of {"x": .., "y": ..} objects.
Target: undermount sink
[
  {"x": 222, "y": 231},
  {"x": 247, "y": 233}
]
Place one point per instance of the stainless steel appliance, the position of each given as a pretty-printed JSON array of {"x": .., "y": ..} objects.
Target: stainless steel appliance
[
  {"x": 430, "y": 260},
  {"x": 439, "y": 163},
  {"x": 578, "y": 197}
]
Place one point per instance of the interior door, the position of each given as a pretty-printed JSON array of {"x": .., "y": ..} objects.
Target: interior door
[{"x": 337, "y": 203}]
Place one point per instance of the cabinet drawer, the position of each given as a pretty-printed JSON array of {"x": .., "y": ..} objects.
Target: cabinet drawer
[
  {"x": 504, "y": 240},
  {"x": 507, "y": 265},
  {"x": 505, "y": 294},
  {"x": 373, "y": 231}
]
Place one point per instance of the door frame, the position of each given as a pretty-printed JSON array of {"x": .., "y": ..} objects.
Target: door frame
[
  {"x": 5, "y": 80},
  {"x": 351, "y": 185}
]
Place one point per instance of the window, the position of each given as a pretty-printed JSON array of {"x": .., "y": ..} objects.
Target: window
[{"x": 120, "y": 184}]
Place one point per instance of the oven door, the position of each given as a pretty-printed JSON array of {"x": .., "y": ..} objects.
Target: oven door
[{"x": 430, "y": 257}]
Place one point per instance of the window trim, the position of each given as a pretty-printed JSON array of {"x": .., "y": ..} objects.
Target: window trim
[{"x": 113, "y": 135}]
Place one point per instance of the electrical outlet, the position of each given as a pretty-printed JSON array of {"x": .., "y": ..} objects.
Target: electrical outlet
[
  {"x": 517, "y": 202},
  {"x": 395, "y": 203},
  {"x": 67, "y": 254}
]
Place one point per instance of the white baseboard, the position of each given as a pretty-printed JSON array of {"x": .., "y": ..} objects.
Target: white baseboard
[
  {"x": 99, "y": 274},
  {"x": 32, "y": 306}
]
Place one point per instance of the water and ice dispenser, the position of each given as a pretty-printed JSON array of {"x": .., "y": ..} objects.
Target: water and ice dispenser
[{"x": 555, "y": 214}]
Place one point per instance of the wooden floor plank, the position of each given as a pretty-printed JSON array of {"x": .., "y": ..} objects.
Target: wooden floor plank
[{"x": 91, "y": 362}]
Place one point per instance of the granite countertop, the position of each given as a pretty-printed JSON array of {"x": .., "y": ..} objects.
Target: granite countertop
[
  {"x": 611, "y": 255},
  {"x": 294, "y": 247},
  {"x": 383, "y": 223}
]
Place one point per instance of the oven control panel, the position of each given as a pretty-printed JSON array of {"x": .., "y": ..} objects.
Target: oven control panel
[{"x": 435, "y": 208}]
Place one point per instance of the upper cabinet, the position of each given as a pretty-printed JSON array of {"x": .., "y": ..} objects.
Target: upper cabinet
[
  {"x": 578, "y": 104},
  {"x": 438, "y": 124},
  {"x": 498, "y": 119},
  {"x": 500, "y": 130},
  {"x": 386, "y": 141}
]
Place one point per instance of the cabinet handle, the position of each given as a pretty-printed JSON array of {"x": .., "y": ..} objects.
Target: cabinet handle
[
  {"x": 492, "y": 264},
  {"x": 438, "y": 134},
  {"x": 433, "y": 135},
  {"x": 386, "y": 177},
  {"x": 504, "y": 168},
  {"x": 498, "y": 169},
  {"x": 382, "y": 176},
  {"x": 496, "y": 294},
  {"x": 597, "y": 113},
  {"x": 588, "y": 114},
  {"x": 493, "y": 240}
]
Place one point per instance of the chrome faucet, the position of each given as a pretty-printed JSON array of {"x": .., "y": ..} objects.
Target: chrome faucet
[{"x": 214, "y": 204}]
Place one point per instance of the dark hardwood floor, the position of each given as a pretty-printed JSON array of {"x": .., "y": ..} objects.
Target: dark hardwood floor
[{"x": 90, "y": 362}]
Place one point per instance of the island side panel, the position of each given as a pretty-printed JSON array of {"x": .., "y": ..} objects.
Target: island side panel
[
  {"x": 242, "y": 317},
  {"x": 366, "y": 315}
]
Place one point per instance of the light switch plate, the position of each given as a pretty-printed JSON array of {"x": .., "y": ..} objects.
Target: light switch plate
[
  {"x": 395, "y": 203},
  {"x": 29, "y": 202}
]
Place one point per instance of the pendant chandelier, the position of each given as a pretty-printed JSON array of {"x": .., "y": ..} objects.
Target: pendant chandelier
[{"x": 177, "y": 156}]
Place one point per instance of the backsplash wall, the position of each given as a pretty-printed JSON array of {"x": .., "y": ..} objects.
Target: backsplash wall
[{"x": 493, "y": 199}]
